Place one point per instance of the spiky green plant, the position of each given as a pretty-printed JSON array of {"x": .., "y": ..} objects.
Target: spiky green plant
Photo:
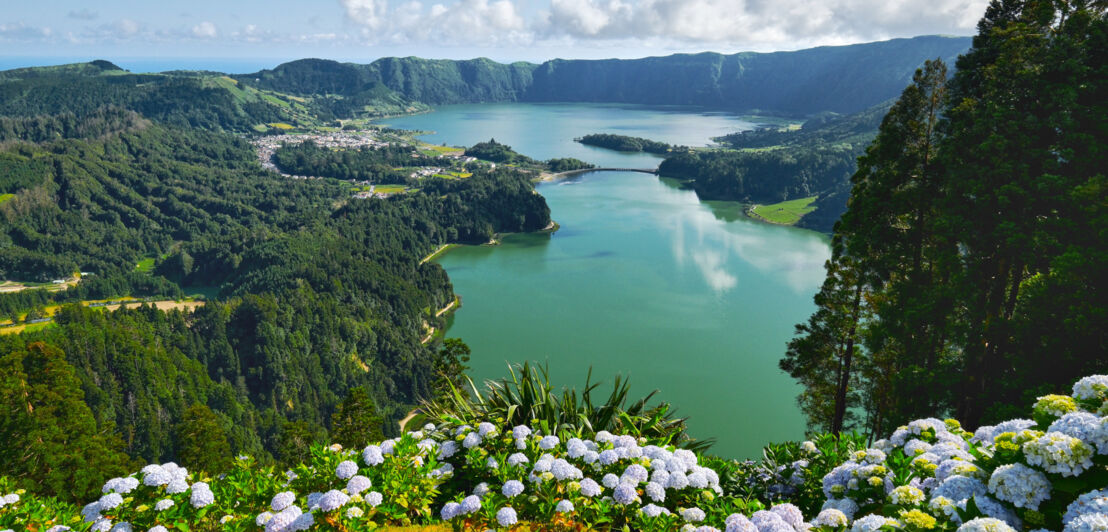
[{"x": 526, "y": 397}]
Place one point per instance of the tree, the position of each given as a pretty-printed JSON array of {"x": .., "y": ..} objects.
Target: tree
[
  {"x": 202, "y": 441},
  {"x": 49, "y": 441},
  {"x": 295, "y": 440},
  {"x": 356, "y": 422}
]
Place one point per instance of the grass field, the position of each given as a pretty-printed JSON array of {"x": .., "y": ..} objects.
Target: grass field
[
  {"x": 145, "y": 265},
  {"x": 390, "y": 189},
  {"x": 786, "y": 212}
]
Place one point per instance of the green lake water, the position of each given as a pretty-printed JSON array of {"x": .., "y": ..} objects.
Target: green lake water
[{"x": 642, "y": 278}]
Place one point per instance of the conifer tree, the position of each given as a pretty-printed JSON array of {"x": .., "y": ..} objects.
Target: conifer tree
[
  {"x": 49, "y": 440},
  {"x": 202, "y": 441},
  {"x": 356, "y": 422}
]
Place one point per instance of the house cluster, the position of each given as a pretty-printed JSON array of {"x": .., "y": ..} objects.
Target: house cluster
[{"x": 268, "y": 145}]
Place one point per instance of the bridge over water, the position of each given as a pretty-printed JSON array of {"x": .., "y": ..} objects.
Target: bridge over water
[{"x": 570, "y": 173}]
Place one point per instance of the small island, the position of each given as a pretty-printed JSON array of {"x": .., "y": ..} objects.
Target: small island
[{"x": 626, "y": 144}]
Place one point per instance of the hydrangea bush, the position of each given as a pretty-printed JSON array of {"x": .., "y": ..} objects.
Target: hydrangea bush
[{"x": 1049, "y": 472}]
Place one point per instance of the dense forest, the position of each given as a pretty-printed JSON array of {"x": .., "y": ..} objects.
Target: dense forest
[
  {"x": 373, "y": 164},
  {"x": 967, "y": 275},
  {"x": 625, "y": 143},
  {"x": 317, "y": 294}
]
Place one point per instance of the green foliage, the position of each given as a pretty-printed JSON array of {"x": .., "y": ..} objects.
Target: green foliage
[
  {"x": 625, "y": 143},
  {"x": 376, "y": 165},
  {"x": 356, "y": 422},
  {"x": 49, "y": 440},
  {"x": 497, "y": 153},
  {"x": 969, "y": 234},
  {"x": 527, "y": 397},
  {"x": 566, "y": 164},
  {"x": 201, "y": 441}
]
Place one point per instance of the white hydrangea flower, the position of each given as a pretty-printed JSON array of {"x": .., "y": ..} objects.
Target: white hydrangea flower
[
  {"x": 520, "y": 432},
  {"x": 655, "y": 491},
  {"x": 263, "y": 518},
  {"x": 485, "y": 429},
  {"x": 506, "y": 516},
  {"x": 808, "y": 447},
  {"x": 354, "y": 512},
  {"x": 1091, "y": 388},
  {"x": 1059, "y": 453},
  {"x": 548, "y": 442},
  {"x": 692, "y": 515},
  {"x": 869, "y": 523},
  {"x": 768, "y": 521},
  {"x": 985, "y": 524},
  {"x": 163, "y": 505},
  {"x": 831, "y": 518},
  {"x": 201, "y": 495},
  {"x": 517, "y": 459},
  {"x": 652, "y": 510},
  {"x": 564, "y": 507},
  {"x": 1020, "y": 485},
  {"x": 907, "y": 495}
]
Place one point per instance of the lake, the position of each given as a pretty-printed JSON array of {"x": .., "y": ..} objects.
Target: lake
[{"x": 642, "y": 279}]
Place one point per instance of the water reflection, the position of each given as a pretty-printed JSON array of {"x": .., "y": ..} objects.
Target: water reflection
[{"x": 710, "y": 242}]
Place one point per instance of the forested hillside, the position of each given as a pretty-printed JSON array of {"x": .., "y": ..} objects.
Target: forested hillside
[
  {"x": 771, "y": 165},
  {"x": 842, "y": 79},
  {"x": 968, "y": 273},
  {"x": 317, "y": 293}
]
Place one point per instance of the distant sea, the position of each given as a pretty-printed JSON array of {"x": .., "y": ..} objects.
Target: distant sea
[{"x": 152, "y": 64}]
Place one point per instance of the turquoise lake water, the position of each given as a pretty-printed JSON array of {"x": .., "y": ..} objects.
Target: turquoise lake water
[{"x": 642, "y": 279}]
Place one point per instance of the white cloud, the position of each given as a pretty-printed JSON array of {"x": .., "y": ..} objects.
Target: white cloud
[
  {"x": 125, "y": 27},
  {"x": 747, "y": 24},
  {"x": 462, "y": 22},
  {"x": 22, "y": 32},
  {"x": 204, "y": 30},
  {"x": 83, "y": 14}
]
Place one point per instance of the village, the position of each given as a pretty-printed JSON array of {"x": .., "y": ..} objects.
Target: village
[{"x": 267, "y": 146}]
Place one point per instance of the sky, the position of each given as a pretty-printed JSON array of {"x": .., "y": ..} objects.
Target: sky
[{"x": 266, "y": 32}]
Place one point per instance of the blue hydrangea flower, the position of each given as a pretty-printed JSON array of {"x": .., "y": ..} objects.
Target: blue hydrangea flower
[
  {"x": 516, "y": 459},
  {"x": 358, "y": 484},
  {"x": 333, "y": 500},
  {"x": 547, "y": 443},
  {"x": 110, "y": 501},
  {"x": 374, "y": 499},
  {"x": 506, "y": 516},
  {"x": 512, "y": 488},
  {"x": 590, "y": 488},
  {"x": 346, "y": 469},
  {"x": 282, "y": 500},
  {"x": 470, "y": 504},
  {"x": 450, "y": 511},
  {"x": 520, "y": 432},
  {"x": 625, "y": 494},
  {"x": 373, "y": 455}
]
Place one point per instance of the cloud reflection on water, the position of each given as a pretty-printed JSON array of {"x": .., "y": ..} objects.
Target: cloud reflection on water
[{"x": 711, "y": 244}]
